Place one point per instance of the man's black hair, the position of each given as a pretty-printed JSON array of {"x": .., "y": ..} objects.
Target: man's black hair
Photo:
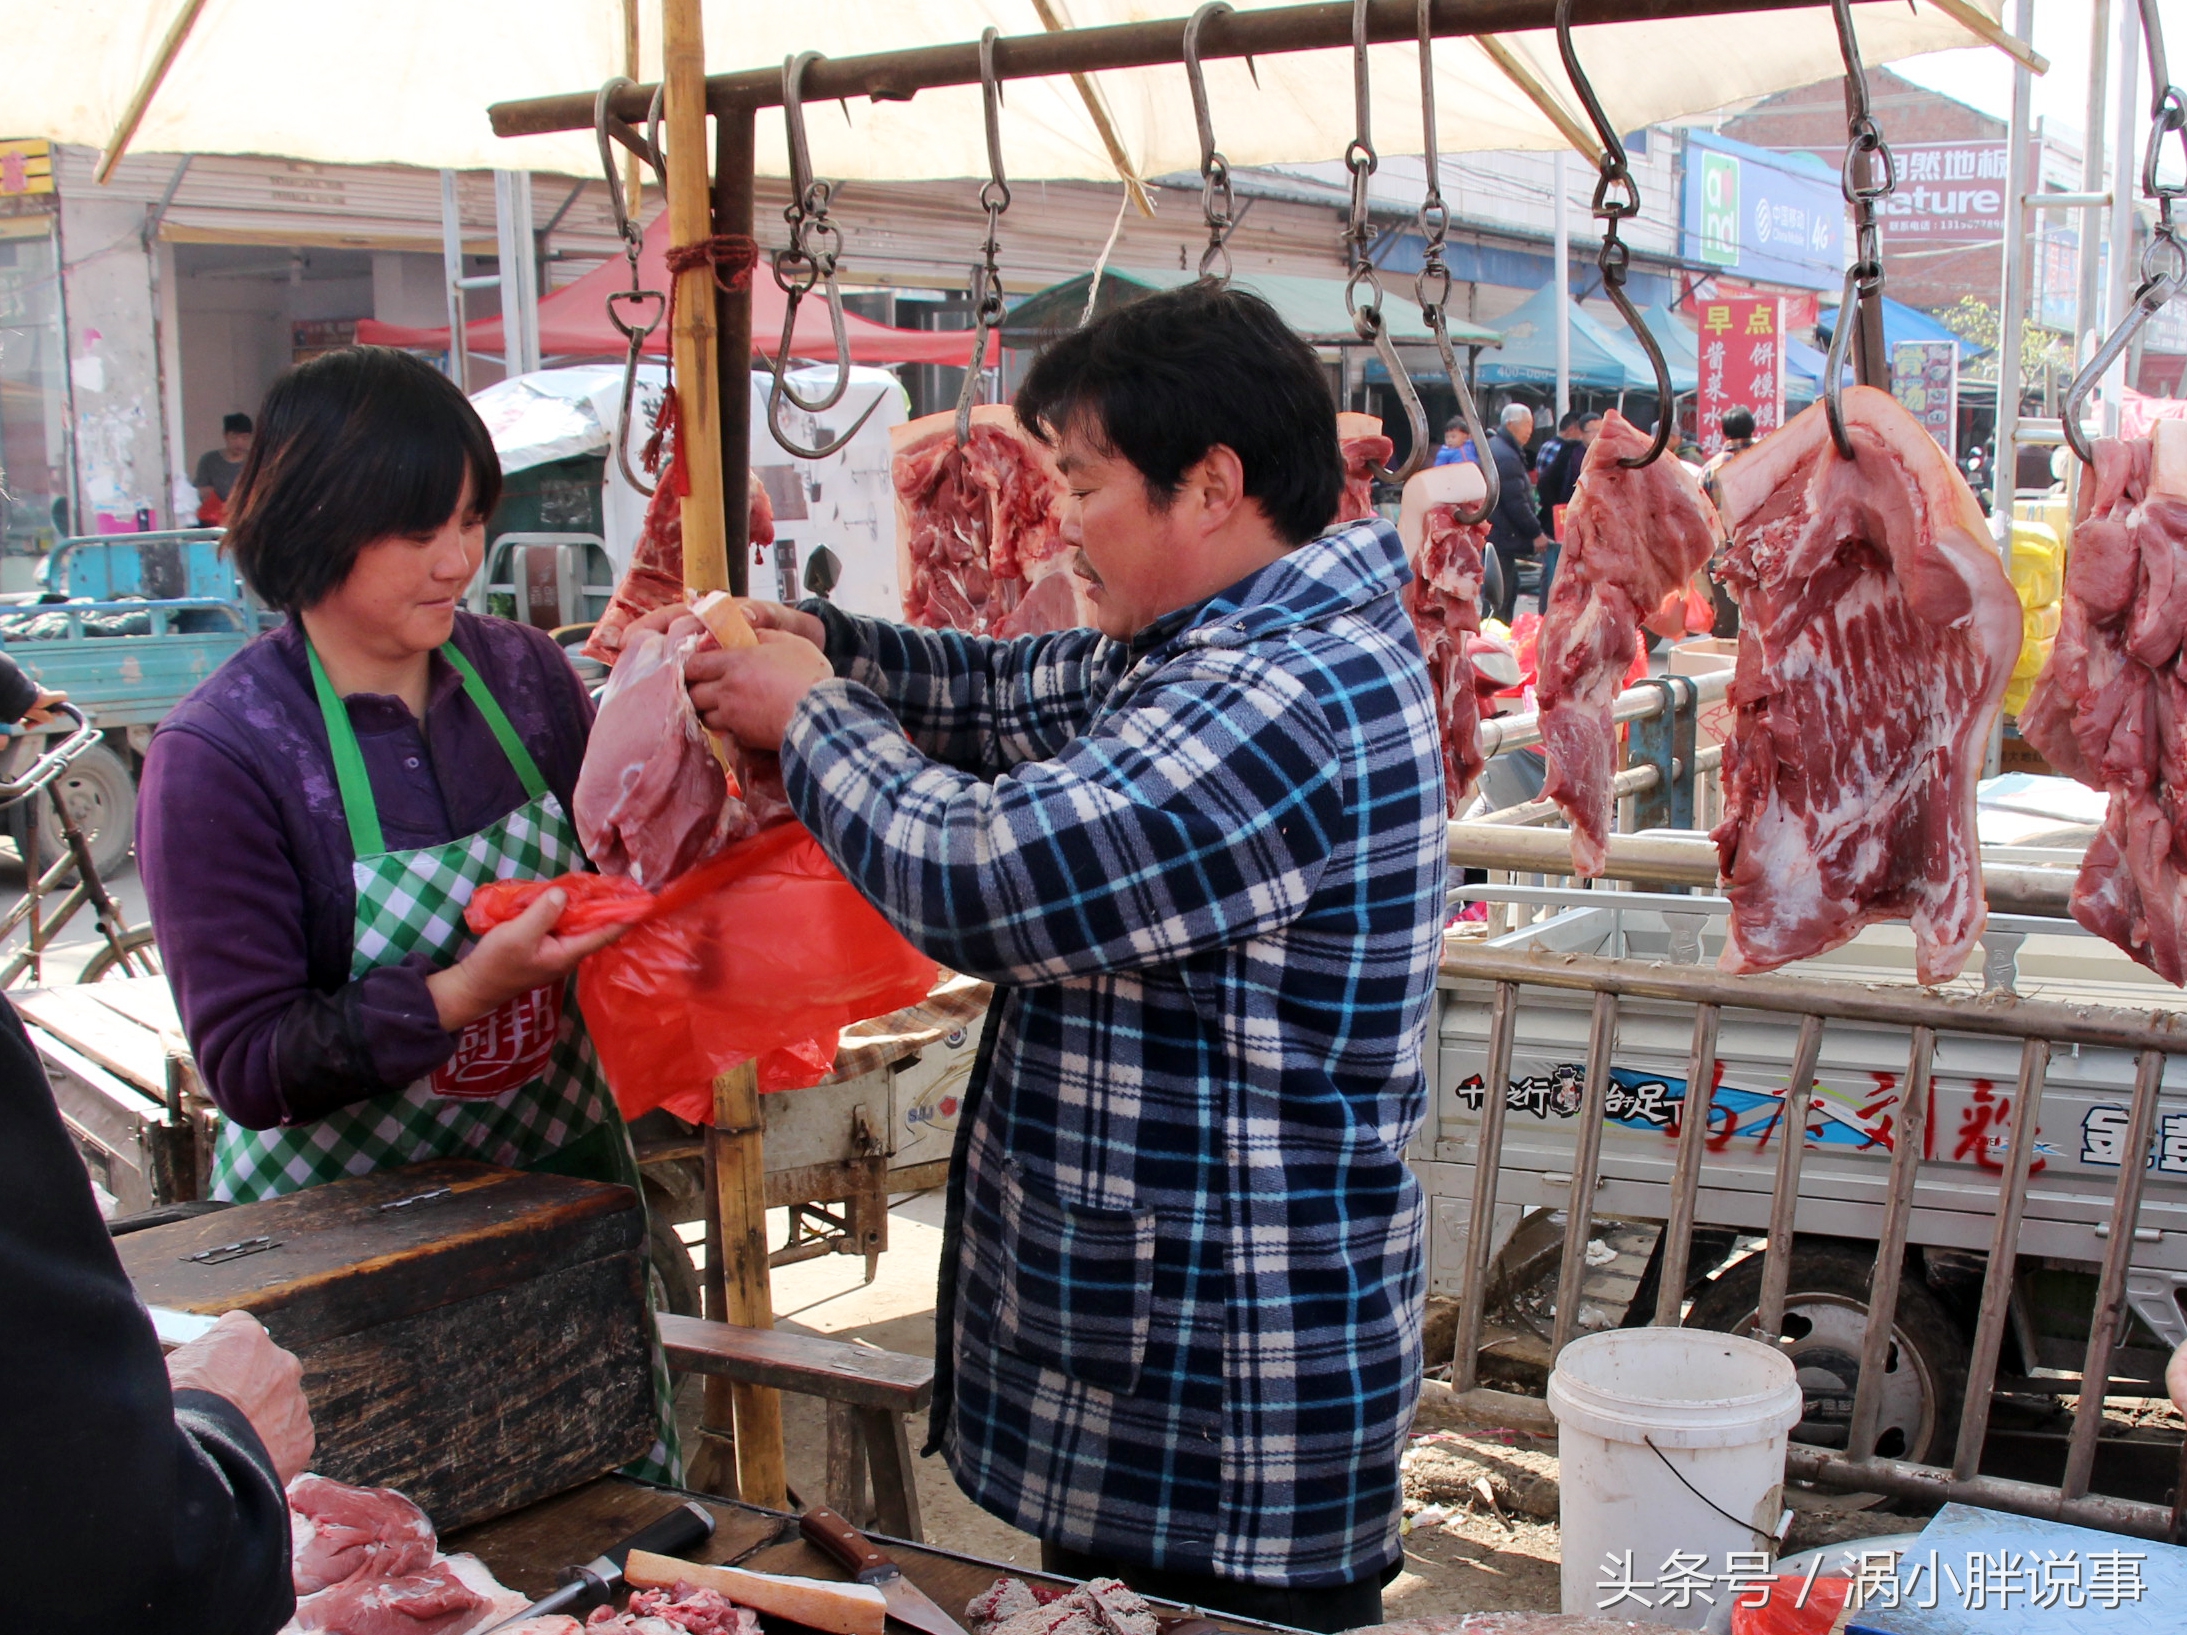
[
  {"x": 1589, "y": 418},
  {"x": 1572, "y": 421},
  {"x": 1738, "y": 424},
  {"x": 1163, "y": 380},
  {"x": 234, "y": 422},
  {"x": 359, "y": 444}
]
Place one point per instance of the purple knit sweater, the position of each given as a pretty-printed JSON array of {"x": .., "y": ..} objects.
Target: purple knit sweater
[{"x": 246, "y": 858}]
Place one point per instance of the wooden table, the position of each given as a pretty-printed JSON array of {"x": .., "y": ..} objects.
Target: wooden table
[{"x": 527, "y": 1548}]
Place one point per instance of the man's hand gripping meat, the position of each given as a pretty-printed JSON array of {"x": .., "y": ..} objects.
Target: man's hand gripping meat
[{"x": 750, "y": 692}]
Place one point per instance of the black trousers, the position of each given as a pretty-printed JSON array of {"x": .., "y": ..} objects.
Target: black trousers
[
  {"x": 1510, "y": 558},
  {"x": 1347, "y": 1606}
]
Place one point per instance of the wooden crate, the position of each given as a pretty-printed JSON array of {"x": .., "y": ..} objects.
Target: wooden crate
[
  {"x": 122, "y": 1076},
  {"x": 475, "y": 1337}
]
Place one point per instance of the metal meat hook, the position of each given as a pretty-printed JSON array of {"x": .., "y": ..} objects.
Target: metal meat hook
[
  {"x": 987, "y": 310},
  {"x": 808, "y": 261},
  {"x": 1613, "y": 258},
  {"x": 1865, "y": 152},
  {"x": 2164, "y": 262},
  {"x": 1367, "y": 319},
  {"x": 1434, "y": 225},
  {"x": 1217, "y": 203},
  {"x": 609, "y": 129}
]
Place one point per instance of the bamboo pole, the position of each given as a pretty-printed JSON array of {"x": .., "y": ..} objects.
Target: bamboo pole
[
  {"x": 125, "y": 129},
  {"x": 737, "y": 1161}
]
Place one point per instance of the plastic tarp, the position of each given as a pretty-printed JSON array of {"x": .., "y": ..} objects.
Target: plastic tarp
[
  {"x": 409, "y": 81},
  {"x": 573, "y": 321},
  {"x": 1314, "y": 307},
  {"x": 1603, "y": 359}
]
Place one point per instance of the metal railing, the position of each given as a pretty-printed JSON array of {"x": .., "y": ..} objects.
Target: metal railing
[{"x": 2040, "y": 1025}]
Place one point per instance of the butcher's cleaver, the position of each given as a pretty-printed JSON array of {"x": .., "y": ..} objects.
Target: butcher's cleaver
[{"x": 850, "y": 1549}]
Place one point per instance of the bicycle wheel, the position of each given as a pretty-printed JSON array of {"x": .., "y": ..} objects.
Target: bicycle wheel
[{"x": 137, "y": 956}]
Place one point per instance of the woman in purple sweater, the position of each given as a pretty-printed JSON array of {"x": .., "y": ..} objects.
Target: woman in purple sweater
[{"x": 318, "y": 812}]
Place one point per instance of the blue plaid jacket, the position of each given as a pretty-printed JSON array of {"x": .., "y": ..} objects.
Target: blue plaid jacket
[{"x": 1205, "y": 870}]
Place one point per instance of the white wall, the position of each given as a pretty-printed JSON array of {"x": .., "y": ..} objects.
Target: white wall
[
  {"x": 407, "y": 289},
  {"x": 234, "y": 338}
]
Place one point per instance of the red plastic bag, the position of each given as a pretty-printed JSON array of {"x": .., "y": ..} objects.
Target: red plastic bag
[{"x": 765, "y": 953}]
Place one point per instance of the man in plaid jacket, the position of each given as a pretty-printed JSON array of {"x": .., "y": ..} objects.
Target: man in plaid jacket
[{"x": 1200, "y": 853}]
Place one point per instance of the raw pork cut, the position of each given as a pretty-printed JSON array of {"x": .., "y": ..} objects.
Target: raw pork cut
[
  {"x": 979, "y": 529},
  {"x": 2110, "y": 708},
  {"x": 338, "y": 1532},
  {"x": 658, "y": 793},
  {"x": 1444, "y": 599},
  {"x": 1100, "y": 1606},
  {"x": 655, "y": 575},
  {"x": 1361, "y": 442},
  {"x": 1877, "y": 634},
  {"x": 684, "y": 1610},
  {"x": 365, "y": 1562},
  {"x": 1633, "y": 538}
]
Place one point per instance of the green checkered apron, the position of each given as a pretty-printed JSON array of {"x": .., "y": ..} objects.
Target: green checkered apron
[{"x": 524, "y": 1088}]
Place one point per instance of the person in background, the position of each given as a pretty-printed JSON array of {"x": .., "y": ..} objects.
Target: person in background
[
  {"x": 1457, "y": 443},
  {"x": 1559, "y": 477},
  {"x": 218, "y": 468},
  {"x": 139, "y": 1498},
  {"x": 1738, "y": 428},
  {"x": 1545, "y": 462},
  {"x": 1514, "y": 530}
]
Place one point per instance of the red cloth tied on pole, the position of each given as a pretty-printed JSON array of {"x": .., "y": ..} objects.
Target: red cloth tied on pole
[{"x": 763, "y": 954}]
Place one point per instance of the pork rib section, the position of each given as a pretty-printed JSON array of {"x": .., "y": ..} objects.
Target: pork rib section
[
  {"x": 1633, "y": 538},
  {"x": 1877, "y": 634},
  {"x": 2110, "y": 708},
  {"x": 979, "y": 529},
  {"x": 1444, "y": 599}
]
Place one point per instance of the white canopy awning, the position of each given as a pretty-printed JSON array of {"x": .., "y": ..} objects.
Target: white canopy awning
[{"x": 409, "y": 81}]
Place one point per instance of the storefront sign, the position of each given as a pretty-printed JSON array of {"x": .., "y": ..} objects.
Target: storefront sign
[
  {"x": 1742, "y": 365},
  {"x": 1947, "y": 193},
  {"x": 25, "y": 167},
  {"x": 1762, "y": 215},
  {"x": 1925, "y": 380}
]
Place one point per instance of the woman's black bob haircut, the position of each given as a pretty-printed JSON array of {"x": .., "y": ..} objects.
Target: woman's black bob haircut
[
  {"x": 351, "y": 447},
  {"x": 1165, "y": 379}
]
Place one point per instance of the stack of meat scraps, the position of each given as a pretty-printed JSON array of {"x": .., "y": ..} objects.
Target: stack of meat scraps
[
  {"x": 658, "y": 794},
  {"x": 1877, "y": 634},
  {"x": 1633, "y": 538},
  {"x": 1364, "y": 447},
  {"x": 655, "y": 575},
  {"x": 2111, "y": 706},
  {"x": 1444, "y": 599},
  {"x": 365, "y": 1562},
  {"x": 979, "y": 529}
]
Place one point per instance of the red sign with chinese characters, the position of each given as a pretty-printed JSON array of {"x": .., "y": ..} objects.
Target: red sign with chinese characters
[{"x": 1742, "y": 365}]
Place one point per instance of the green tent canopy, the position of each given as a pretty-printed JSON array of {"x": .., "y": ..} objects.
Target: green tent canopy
[{"x": 1314, "y": 307}]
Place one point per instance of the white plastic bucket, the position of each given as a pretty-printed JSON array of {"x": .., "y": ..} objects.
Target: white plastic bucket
[{"x": 1671, "y": 1449}]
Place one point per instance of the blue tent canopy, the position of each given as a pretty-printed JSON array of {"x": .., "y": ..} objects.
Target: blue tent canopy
[
  {"x": 1603, "y": 359},
  {"x": 1904, "y": 323}
]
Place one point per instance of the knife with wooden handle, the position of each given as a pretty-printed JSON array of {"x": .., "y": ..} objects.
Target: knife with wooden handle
[
  {"x": 854, "y": 1552},
  {"x": 594, "y": 1584}
]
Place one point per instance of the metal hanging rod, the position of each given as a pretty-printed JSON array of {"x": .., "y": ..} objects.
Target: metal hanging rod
[{"x": 896, "y": 76}]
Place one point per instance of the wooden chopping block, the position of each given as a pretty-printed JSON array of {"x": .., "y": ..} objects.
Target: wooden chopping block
[{"x": 474, "y": 1337}]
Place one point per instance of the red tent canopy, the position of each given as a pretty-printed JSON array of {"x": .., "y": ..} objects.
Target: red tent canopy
[{"x": 573, "y": 321}]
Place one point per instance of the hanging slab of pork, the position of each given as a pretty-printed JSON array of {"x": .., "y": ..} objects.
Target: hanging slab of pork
[
  {"x": 2110, "y": 708},
  {"x": 1633, "y": 538},
  {"x": 1877, "y": 634},
  {"x": 1444, "y": 599}
]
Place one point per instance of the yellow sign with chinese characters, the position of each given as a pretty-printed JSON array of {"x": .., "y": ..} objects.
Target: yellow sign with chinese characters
[{"x": 26, "y": 166}]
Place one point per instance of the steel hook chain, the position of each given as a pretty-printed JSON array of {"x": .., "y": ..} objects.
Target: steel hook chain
[
  {"x": 988, "y": 310},
  {"x": 1617, "y": 196},
  {"x": 807, "y": 263},
  {"x": 1218, "y": 204},
  {"x": 1367, "y": 317},
  {"x": 1431, "y": 286},
  {"x": 1866, "y": 176},
  {"x": 2164, "y": 262}
]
